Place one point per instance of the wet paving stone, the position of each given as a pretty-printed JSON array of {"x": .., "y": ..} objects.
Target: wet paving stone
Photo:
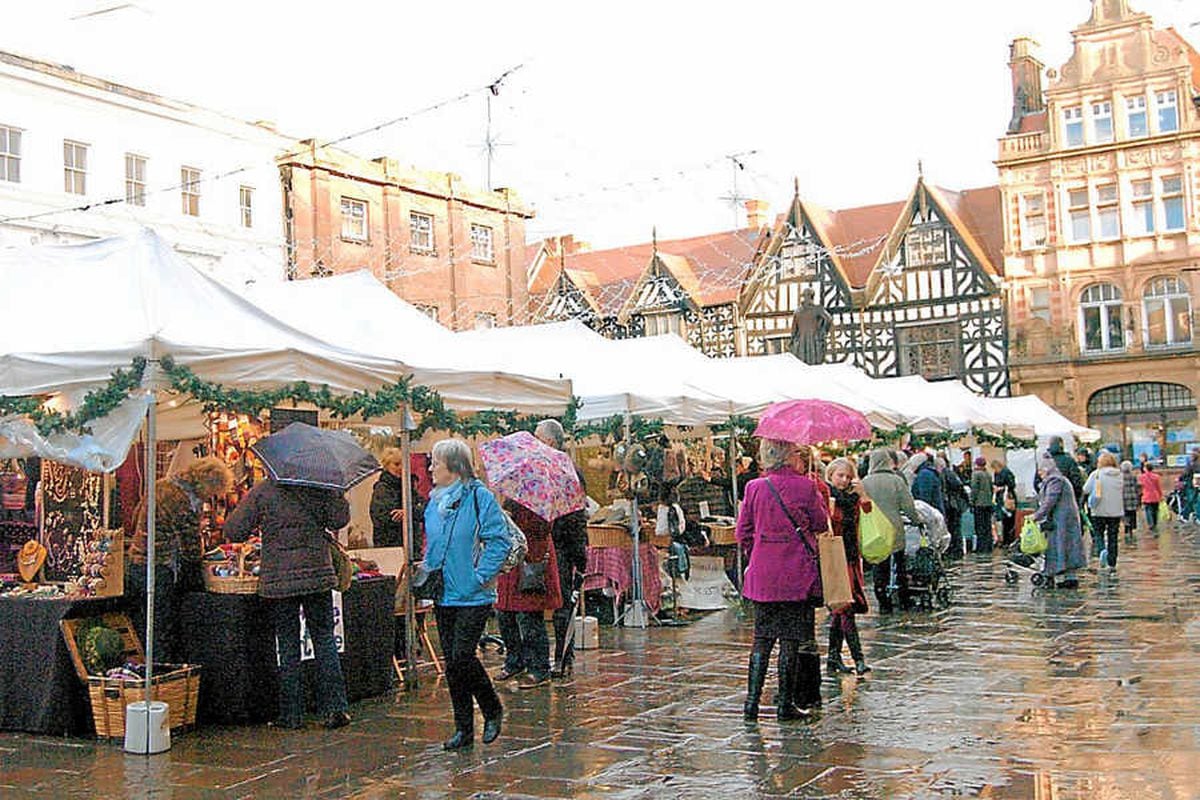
[{"x": 1009, "y": 694}]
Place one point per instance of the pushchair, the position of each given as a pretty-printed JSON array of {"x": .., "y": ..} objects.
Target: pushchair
[
  {"x": 1019, "y": 564},
  {"x": 924, "y": 546}
]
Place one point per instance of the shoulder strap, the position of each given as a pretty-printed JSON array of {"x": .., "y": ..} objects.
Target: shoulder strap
[{"x": 791, "y": 519}]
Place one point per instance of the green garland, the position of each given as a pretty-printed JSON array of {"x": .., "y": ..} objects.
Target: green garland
[
  {"x": 737, "y": 424},
  {"x": 96, "y": 404},
  {"x": 1004, "y": 440},
  {"x": 613, "y": 428}
]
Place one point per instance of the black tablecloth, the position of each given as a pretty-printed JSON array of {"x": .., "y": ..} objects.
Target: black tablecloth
[
  {"x": 231, "y": 637},
  {"x": 39, "y": 690}
]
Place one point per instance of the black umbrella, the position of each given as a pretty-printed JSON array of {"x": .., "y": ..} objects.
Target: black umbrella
[{"x": 301, "y": 455}]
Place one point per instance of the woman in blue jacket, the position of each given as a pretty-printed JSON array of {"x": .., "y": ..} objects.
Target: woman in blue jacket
[{"x": 467, "y": 536}]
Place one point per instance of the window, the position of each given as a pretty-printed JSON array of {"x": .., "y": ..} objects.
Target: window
[
  {"x": 1172, "y": 201},
  {"x": 1100, "y": 319},
  {"x": 485, "y": 320},
  {"x": 246, "y": 205},
  {"x": 1102, "y": 123},
  {"x": 10, "y": 154},
  {"x": 427, "y": 310},
  {"x": 189, "y": 181},
  {"x": 420, "y": 227},
  {"x": 481, "y": 244},
  {"x": 926, "y": 246},
  {"x": 135, "y": 179},
  {"x": 1039, "y": 303},
  {"x": 1143, "y": 207},
  {"x": 663, "y": 322},
  {"x": 1135, "y": 117},
  {"x": 1033, "y": 221},
  {"x": 1108, "y": 211},
  {"x": 1073, "y": 126},
  {"x": 1168, "y": 312},
  {"x": 1168, "y": 111},
  {"x": 932, "y": 351},
  {"x": 1080, "y": 214},
  {"x": 354, "y": 219},
  {"x": 74, "y": 167}
]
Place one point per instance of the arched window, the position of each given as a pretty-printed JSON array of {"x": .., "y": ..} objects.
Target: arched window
[
  {"x": 1100, "y": 319},
  {"x": 1167, "y": 309}
]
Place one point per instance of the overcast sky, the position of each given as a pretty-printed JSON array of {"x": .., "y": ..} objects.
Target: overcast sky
[{"x": 845, "y": 96}]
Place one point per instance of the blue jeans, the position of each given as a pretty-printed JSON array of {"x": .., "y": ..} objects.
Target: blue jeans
[
  {"x": 331, "y": 688},
  {"x": 526, "y": 644}
]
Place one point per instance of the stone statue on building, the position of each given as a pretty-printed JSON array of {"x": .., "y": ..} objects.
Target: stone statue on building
[{"x": 810, "y": 330}]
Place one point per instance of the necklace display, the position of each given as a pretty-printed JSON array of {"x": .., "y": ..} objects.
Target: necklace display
[{"x": 30, "y": 559}]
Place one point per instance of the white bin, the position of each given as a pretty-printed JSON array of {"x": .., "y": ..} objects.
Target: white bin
[{"x": 147, "y": 733}]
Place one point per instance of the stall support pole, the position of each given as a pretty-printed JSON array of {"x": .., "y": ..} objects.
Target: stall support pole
[
  {"x": 410, "y": 612},
  {"x": 737, "y": 548},
  {"x": 151, "y": 525},
  {"x": 635, "y": 615}
]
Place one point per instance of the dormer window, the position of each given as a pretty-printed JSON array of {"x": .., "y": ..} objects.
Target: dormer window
[{"x": 1073, "y": 126}]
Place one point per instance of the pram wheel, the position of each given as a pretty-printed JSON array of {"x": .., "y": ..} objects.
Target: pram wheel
[
  {"x": 1010, "y": 577},
  {"x": 1037, "y": 579}
]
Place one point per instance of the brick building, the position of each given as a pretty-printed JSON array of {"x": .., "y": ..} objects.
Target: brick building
[
  {"x": 1100, "y": 184},
  {"x": 455, "y": 251}
]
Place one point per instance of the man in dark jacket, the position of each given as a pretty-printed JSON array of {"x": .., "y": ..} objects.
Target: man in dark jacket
[
  {"x": 1004, "y": 485},
  {"x": 955, "y": 496},
  {"x": 927, "y": 486},
  {"x": 569, "y": 534},
  {"x": 1067, "y": 466}
]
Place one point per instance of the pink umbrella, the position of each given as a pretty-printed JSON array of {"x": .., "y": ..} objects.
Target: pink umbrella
[
  {"x": 811, "y": 422},
  {"x": 538, "y": 477}
]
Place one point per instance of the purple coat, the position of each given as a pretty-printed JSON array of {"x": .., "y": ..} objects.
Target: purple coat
[{"x": 781, "y": 567}]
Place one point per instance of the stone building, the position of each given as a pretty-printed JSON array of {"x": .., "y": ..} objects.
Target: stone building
[
  {"x": 1100, "y": 180},
  {"x": 455, "y": 251}
]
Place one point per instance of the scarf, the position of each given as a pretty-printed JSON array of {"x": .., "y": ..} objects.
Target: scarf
[{"x": 447, "y": 498}]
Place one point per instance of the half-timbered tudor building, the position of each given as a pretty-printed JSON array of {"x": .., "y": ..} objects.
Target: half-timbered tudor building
[
  {"x": 912, "y": 287},
  {"x": 688, "y": 287}
]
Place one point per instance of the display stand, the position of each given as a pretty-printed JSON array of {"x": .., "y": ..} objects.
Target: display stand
[{"x": 636, "y": 615}]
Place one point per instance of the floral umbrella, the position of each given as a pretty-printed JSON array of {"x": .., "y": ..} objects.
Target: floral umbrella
[
  {"x": 811, "y": 422},
  {"x": 535, "y": 475}
]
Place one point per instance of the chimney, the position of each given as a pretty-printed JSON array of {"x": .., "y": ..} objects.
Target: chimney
[
  {"x": 1026, "y": 81},
  {"x": 757, "y": 212}
]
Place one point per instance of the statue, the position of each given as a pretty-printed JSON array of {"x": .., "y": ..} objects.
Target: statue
[{"x": 810, "y": 330}]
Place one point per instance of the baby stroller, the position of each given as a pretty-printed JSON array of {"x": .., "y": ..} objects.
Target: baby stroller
[
  {"x": 924, "y": 546},
  {"x": 1018, "y": 564}
]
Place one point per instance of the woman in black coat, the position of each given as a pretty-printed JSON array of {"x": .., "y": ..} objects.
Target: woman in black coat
[{"x": 296, "y": 573}]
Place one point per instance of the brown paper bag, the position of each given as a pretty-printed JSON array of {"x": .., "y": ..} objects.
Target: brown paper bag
[{"x": 835, "y": 572}]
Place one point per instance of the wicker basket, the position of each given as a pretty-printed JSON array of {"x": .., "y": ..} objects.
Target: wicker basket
[
  {"x": 608, "y": 536},
  {"x": 178, "y": 685},
  {"x": 722, "y": 534},
  {"x": 238, "y": 584}
]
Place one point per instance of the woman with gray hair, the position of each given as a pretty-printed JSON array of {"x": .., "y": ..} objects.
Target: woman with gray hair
[
  {"x": 1058, "y": 516},
  {"x": 782, "y": 515},
  {"x": 467, "y": 537}
]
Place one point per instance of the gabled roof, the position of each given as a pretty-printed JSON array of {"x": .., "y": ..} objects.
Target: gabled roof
[
  {"x": 1192, "y": 54},
  {"x": 710, "y": 268}
]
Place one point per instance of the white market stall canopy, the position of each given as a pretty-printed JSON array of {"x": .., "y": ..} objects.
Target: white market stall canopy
[
  {"x": 91, "y": 309},
  {"x": 357, "y": 312}
]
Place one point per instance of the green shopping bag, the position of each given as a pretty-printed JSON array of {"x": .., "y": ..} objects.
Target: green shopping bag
[
  {"x": 1033, "y": 541},
  {"x": 1164, "y": 512},
  {"x": 876, "y": 535}
]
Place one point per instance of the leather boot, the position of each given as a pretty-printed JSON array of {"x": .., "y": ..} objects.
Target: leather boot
[
  {"x": 856, "y": 651},
  {"x": 833, "y": 661},
  {"x": 757, "y": 675},
  {"x": 807, "y": 694},
  {"x": 789, "y": 668}
]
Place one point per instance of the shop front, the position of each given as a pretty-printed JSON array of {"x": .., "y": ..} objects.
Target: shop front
[{"x": 1154, "y": 420}]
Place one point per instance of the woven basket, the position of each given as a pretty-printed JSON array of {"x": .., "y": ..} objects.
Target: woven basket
[
  {"x": 608, "y": 536},
  {"x": 239, "y": 584},
  {"x": 178, "y": 686},
  {"x": 722, "y": 534}
]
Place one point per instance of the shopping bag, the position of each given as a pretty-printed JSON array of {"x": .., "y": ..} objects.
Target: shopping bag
[
  {"x": 1033, "y": 541},
  {"x": 835, "y": 572},
  {"x": 1164, "y": 512},
  {"x": 876, "y": 535}
]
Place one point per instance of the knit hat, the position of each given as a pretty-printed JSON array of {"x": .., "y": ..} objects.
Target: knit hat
[{"x": 980, "y": 461}]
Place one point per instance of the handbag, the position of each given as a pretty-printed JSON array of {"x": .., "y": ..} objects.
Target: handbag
[
  {"x": 532, "y": 579},
  {"x": 835, "y": 572},
  {"x": 429, "y": 583},
  {"x": 341, "y": 562}
]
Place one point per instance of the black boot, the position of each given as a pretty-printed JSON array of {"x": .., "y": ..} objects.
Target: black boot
[
  {"x": 833, "y": 661},
  {"x": 789, "y": 668},
  {"x": 754, "y": 683},
  {"x": 856, "y": 652},
  {"x": 807, "y": 694}
]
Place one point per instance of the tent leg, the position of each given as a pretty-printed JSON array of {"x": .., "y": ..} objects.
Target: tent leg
[
  {"x": 734, "y": 489},
  {"x": 636, "y": 615},
  {"x": 410, "y": 612}
]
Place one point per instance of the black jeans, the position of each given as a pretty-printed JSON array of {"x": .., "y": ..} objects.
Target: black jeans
[
  {"x": 954, "y": 525},
  {"x": 331, "y": 687},
  {"x": 1107, "y": 530},
  {"x": 564, "y": 614},
  {"x": 526, "y": 645},
  {"x": 165, "y": 640},
  {"x": 883, "y": 577},
  {"x": 459, "y": 629},
  {"x": 983, "y": 529},
  {"x": 1008, "y": 526}
]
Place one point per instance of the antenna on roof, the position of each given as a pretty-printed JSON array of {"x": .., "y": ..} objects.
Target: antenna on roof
[
  {"x": 735, "y": 198},
  {"x": 491, "y": 143}
]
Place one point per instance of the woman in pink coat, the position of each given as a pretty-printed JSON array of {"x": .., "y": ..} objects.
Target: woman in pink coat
[
  {"x": 780, "y": 518},
  {"x": 521, "y": 614}
]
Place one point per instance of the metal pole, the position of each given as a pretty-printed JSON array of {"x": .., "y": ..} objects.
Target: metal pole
[
  {"x": 734, "y": 487},
  {"x": 151, "y": 534},
  {"x": 410, "y": 612},
  {"x": 635, "y": 615}
]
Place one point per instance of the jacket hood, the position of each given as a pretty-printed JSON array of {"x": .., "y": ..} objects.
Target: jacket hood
[
  {"x": 1056, "y": 446},
  {"x": 881, "y": 460}
]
